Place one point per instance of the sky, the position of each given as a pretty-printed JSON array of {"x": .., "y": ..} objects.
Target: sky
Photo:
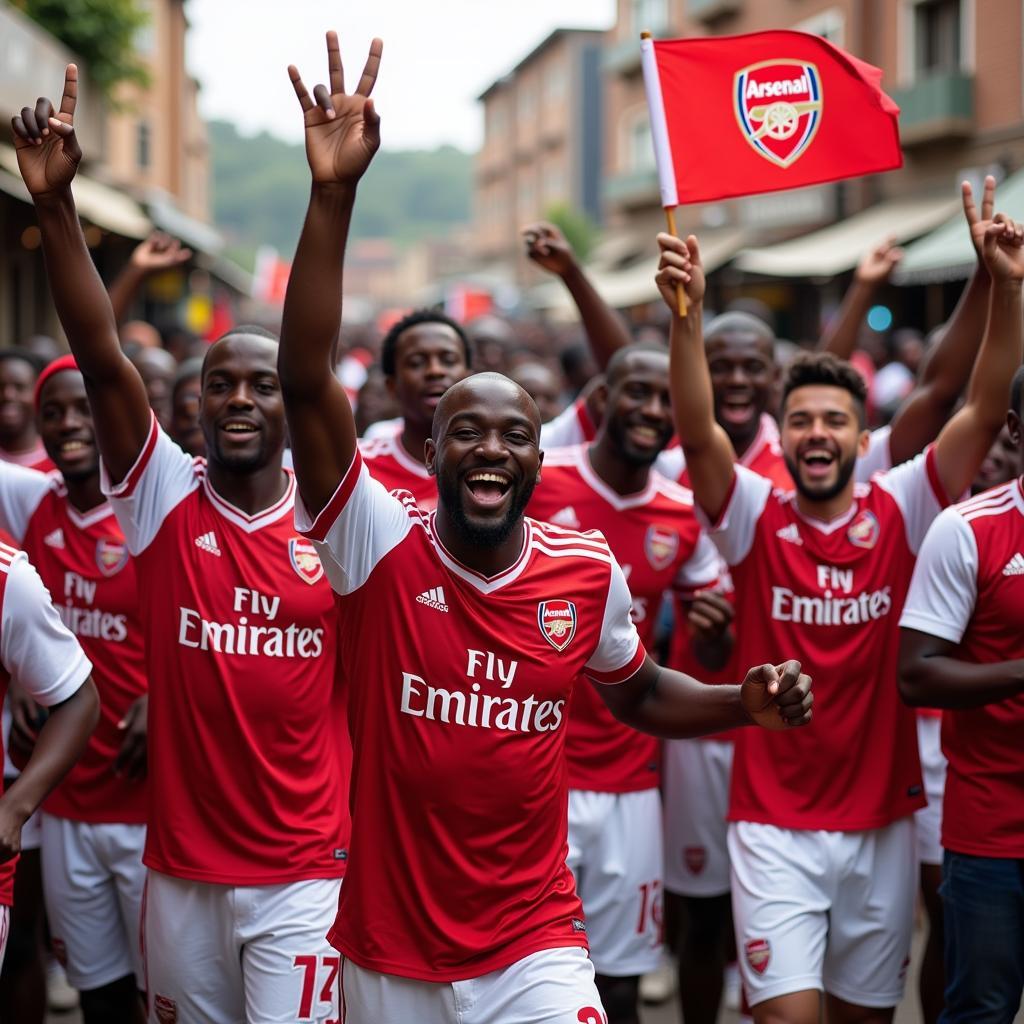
[{"x": 439, "y": 55}]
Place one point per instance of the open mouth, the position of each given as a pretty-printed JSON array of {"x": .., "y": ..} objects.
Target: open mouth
[
  {"x": 817, "y": 463},
  {"x": 432, "y": 398},
  {"x": 643, "y": 436},
  {"x": 240, "y": 429},
  {"x": 487, "y": 488},
  {"x": 736, "y": 409}
]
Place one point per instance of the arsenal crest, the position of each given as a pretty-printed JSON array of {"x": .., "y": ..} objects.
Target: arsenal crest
[
  {"x": 759, "y": 953},
  {"x": 778, "y": 107},
  {"x": 305, "y": 561},
  {"x": 661, "y": 546},
  {"x": 111, "y": 556},
  {"x": 864, "y": 531},
  {"x": 695, "y": 858},
  {"x": 557, "y": 621}
]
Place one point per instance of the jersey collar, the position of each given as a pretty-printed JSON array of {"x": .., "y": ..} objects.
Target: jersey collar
[
  {"x": 251, "y": 523},
  {"x": 485, "y": 584}
]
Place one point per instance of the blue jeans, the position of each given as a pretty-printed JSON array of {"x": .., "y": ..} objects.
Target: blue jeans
[{"x": 983, "y": 909}]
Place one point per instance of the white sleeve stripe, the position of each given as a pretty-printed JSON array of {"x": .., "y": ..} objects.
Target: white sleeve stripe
[{"x": 597, "y": 556}]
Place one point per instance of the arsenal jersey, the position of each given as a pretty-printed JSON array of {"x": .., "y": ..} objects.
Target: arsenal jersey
[
  {"x": 829, "y": 594},
  {"x": 460, "y": 686},
  {"x": 35, "y": 458},
  {"x": 389, "y": 462},
  {"x": 968, "y": 588},
  {"x": 659, "y": 544},
  {"x": 247, "y": 773},
  {"x": 83, "y": 560},
  {"x": 36, "y": 650}
]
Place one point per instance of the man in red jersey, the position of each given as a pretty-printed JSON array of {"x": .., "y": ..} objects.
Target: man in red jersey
[
  {"x": 821, "y": 847},
  {"x": 615, "y": 846},
  {"x": 422, "y": 355},
  {"x": 93, "y": 828},
  {"x": 248, "y": 827},
  {"x": 462, "y": 633},
  {"x": 39, "y": 654},
  {"x": 962, "y": 649}
]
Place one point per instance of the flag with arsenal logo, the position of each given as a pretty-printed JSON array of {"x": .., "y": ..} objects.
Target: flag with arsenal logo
[{"x": 738, "y": 115}]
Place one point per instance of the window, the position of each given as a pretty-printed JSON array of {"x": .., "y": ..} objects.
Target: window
[
  {"x": 639, "y": 146},
  {"x": 649, "y": 15},
  {"x": 937, "y": 37},
  {"x": 554, "y": 83},
  {"x": 527, "y": 105},
  {"x": 828, "y": 24},
  {"x": 142, "y": 145}
]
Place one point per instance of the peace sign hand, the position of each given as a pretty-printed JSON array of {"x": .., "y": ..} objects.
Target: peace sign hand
[
  {"x": 48, "y": 152},
  {"x": 342, "y": 129},
  {"x": 977, "y": 223}
]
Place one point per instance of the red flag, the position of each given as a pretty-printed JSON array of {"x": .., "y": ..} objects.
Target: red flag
[{"x": 737, "y": 115}]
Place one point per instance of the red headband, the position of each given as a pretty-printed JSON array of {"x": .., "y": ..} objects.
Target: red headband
[{"x": 59, "y": 364}]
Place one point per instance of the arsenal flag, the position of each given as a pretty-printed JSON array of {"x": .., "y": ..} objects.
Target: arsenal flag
[{"x": 736, "y": 115}]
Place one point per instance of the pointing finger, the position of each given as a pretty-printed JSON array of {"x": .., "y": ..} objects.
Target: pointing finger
[
  {"x": 300, "y": 89},
  {"x": 69, "y": 99},
  {"x": 334, "y": 66},
  {"x": 370, "y": 69}
]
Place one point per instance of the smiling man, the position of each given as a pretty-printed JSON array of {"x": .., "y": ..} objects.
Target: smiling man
[
  {"x": 464, "y": 633},
  {"x": 248, "y": 814},
  {"x": 822, "y": 845}
]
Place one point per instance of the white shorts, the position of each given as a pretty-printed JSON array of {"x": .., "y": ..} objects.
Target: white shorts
[
  {"x": 92, "y": 884},
  {"x": 5, "y": 928},
  {"x": 615, "y": 853},
  {"x": 824, "y": 910},
  {"x": 933, "y": 768},
  {"x": 695, "y": 783},
  {"x": 554, "y": 986},
  {"x": 221, "y": 954}
]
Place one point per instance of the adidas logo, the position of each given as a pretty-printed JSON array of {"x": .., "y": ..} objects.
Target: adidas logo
[
  {"x": 55, "y": 539},
  {"x": 433, "y": 598},
  {"x": 566, "y": 517},
  {"x": 208, "y": 542},
  {"x": 1015, "y": 566},
  {"x": 789, "y": 533}
]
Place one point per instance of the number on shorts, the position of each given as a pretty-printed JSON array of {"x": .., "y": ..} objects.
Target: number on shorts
[
  {"x": 309, "y": 964},
  {"x": 588, "y": 1015},
  {"x": 650, "y": 908}
]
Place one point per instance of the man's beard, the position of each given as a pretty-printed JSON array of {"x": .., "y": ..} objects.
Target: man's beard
[
  {"x": 248, "y": 462},
  {"x": 842, "y": 479},
  {"x": 487, "y": 535},
  {"x": 628, "y": 453}
]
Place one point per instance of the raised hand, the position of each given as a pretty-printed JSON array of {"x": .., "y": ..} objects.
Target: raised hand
[
  {"x": 159, "y": 252},
  {"x": 1002, "y": 249},
  {"x": 48, "y": 152},
  {"x": 777, "y": 696},
  {"x": 549, "y": 248},
  {"x": 876, "y": 266},
  {"x": 342, "y": 129},
  {"x": 680, "y": 263},
  {"x": 977, "y": 223}
]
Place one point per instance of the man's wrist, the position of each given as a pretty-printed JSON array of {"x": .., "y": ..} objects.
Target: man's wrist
[{"x": 53, "y": 199}]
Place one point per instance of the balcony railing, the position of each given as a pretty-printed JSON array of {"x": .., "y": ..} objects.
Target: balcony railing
[{"x": 938, "y": 106}]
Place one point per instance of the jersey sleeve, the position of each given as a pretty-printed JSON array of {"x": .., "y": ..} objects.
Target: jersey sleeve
[
  {"x": 619, "y": 653},
  {"x": 917, "y": 490},
  {"x": 21, "y": 491},
  {"x": 703, "y": 569},
  {"x": 37, "y": 649},
  {"x": 563, "y": 430},
  {"x": 734, "y": 532},
  {"x": 162, "y": 476},
  {"x": 944, "y": 587},
  {"x": 359, "y": 525},
  {"x": 878, "y": 458}
]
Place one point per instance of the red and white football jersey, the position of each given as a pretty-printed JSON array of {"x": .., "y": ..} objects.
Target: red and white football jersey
[
  {"x": 36, "y": 650},
  {"x": 35, "y": 458},
  {"x": 659, "y": 544},
  {"x": 389, "y": 462},
  {"x": 83, "y": 561},
  {"x": 571, "y": 426},
  {"x": 968, "y": 588},
  {"x": 829, "y": 594},
  {"x": 247, "y": 773},
  {"x": 460, "y": 686}
]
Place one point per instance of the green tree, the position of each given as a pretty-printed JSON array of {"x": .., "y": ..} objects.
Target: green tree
[
  {"x": 577, "y": 227},
  {"x": 101, "y": 32}
]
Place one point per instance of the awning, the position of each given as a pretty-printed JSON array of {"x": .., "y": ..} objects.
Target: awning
[
  {"x": 839, "y": 247},
  {"x": 193, "y": 233},
  {"x": 634, "y": 285},
  {"x": 99, "y": 204},
  {"x": 947, "y": 254}
]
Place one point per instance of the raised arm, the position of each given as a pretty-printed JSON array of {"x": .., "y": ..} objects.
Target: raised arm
[
  {"x": 965, "y": 440},
  {"x": 48, "y": 156},
  {"x": 158, "y": 252},
  {"x": 605, "y": 329},
  {"x": 948, "y": 366},
  {"x": 874, "y": 269},
  {"x": 342, "y": 135},
  {"x": 709, "y": 453}
]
